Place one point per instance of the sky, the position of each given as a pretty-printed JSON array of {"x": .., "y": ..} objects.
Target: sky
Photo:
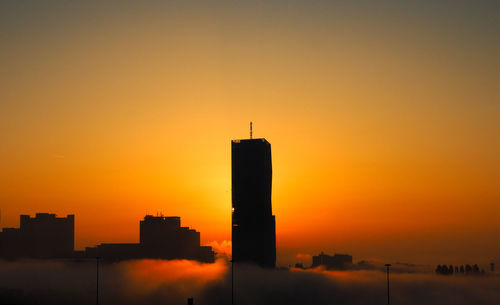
[{"x": 383, "y": 120}]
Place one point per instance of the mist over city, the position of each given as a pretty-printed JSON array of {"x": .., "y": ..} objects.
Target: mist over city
[{"x": 257, "y": 152}]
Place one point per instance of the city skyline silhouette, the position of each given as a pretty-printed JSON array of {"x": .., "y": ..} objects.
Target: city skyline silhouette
[{"x": 370, "y": 173}]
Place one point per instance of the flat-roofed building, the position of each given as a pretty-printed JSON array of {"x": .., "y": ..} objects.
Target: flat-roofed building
[
  {"x": 42, "y": 236},
  {"x": 337, "y": 261},
  {"x": 253, "y": 224},
  {"x": 159, "y": 237}
]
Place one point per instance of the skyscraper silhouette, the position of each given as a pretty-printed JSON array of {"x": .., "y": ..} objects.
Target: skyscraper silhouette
[{"x": 253, "y": 225}]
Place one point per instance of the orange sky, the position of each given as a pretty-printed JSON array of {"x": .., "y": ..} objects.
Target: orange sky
[{"x": 383, "y": 121}]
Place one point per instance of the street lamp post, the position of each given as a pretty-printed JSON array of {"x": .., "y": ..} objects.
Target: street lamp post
[{"x": 388, "y": 295}]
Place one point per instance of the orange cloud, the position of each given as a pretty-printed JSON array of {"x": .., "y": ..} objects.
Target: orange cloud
[
  {"x": 223, "y": 249},
  {"x": 143, "y": 277}
]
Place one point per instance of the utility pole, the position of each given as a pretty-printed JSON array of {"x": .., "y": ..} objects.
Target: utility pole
[{"x": 388, "y": 295}]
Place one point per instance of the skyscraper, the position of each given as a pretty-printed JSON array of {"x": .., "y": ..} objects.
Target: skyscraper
[{"x": 253, "y": 225}]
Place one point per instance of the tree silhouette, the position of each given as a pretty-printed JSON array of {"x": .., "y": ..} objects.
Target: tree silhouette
[
  {"x": 475, "y": 269},
  {"x": 468, "y": 269},
  {"x": 439, "y": 269}
]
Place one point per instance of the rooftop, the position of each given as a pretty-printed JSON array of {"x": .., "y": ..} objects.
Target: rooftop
[{"x": 249, "y": 140}]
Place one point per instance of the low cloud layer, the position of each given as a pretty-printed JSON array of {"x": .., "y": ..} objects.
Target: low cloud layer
[{"x": 172, "y": 282}]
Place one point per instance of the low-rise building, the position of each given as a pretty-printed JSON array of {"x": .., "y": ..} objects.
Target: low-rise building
[{"x": 337, "y": 261}]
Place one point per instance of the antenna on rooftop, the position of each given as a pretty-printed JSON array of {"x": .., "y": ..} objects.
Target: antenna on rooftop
[{"x": 250, "y": 130}]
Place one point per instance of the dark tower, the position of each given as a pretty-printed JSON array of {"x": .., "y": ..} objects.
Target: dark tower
[{"x": 253, "y": 224}]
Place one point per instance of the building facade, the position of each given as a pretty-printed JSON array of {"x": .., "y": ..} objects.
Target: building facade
[
  {"x": 253, "y": 225},
  {"x": 336, "y": 261},
  {"x": 159, "y": 237},
  {"x": 42, "y": 236}
]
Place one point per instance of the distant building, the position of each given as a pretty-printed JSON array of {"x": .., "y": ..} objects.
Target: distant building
[
  {"x": 337, "y": 261},
  {"x": 48, "y": 236},
  {"x": 253, "y": 224},
  {"x": 44, "y": 236},
  {"x": 11, "y": 244},
  {"x": 160, "y": 237},
  {"x": 111, "y": 251}
]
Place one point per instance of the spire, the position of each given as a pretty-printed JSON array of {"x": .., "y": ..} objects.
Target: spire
[{"x": 250, "y": 130}]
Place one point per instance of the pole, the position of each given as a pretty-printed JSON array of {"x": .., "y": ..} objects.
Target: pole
[
  {"x": 97, "y": 282},
  {"x": 388, "y": 295}
]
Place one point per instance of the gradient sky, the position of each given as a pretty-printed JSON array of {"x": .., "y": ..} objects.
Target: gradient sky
[{"x": 383, "y": 119}]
